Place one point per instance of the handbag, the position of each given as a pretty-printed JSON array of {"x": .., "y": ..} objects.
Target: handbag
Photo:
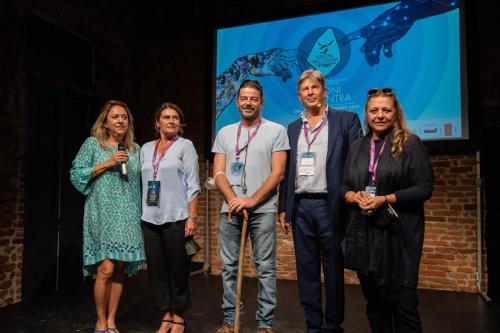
[{"x": 192, "y": 247}]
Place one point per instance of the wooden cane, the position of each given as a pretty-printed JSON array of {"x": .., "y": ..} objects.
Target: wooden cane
[{"x": 240, "y": 273}]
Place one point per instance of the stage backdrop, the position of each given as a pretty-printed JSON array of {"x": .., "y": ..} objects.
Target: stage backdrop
[{"x": 413, "y": 46}]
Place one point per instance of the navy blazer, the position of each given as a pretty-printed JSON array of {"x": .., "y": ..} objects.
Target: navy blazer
[{"x": 344, "y": 128}]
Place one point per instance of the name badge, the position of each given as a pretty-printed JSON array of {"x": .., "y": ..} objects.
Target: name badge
[
  {"x": 306, "y": 167},
  {"x": 236, "y": 168},
  {"x": 153, "y": 196},
  {"x": 371, "y": 190}
]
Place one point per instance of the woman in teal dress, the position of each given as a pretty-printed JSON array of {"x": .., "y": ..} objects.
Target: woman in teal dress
[{"x": 112, "y": 237}]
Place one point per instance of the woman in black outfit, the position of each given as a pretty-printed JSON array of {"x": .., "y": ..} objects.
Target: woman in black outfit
[{"x": 388, "y": 168}]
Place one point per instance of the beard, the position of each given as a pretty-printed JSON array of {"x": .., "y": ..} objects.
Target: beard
[{"x": 249, "y": 116}]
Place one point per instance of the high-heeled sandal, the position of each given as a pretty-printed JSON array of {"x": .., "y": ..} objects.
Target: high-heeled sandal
[
  {"x": 167, "y": 321},
  {"x": 183, "y": 323}
]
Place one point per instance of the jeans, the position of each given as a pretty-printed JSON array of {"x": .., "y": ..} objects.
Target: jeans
[{"x": 262, "y": 230}]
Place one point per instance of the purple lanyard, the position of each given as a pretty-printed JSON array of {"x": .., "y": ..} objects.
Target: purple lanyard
[
  {"x": 156, "y": 162},
  {"x": 372, "y": 167},
  {"x": 237, "y": 149},
  {"x": 306, "y": 132}
]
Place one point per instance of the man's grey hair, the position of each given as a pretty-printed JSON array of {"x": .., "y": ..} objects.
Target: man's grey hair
[{"x": 312, "y": 74}]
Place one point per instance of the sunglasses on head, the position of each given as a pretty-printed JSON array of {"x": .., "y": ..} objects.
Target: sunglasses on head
[{"x": 381, "y": 91}]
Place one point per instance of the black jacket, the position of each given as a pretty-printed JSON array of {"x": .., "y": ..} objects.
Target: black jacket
[
  {"x": 410, "y": 178},
  {"x": 343, "y": 129}
]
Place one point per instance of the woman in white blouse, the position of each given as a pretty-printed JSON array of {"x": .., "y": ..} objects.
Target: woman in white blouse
[{"x": 170, "y": 186}]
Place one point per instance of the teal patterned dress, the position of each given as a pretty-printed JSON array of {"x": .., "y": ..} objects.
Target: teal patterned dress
[{"x": 112, "y": 217}]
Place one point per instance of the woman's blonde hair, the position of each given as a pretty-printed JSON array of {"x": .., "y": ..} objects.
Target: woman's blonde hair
[
  {"x": 400, "y": 132},
  {"x": 101, "y": 133}
]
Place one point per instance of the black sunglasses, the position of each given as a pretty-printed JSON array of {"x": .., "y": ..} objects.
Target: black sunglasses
[{"x": 381, "y": 91}]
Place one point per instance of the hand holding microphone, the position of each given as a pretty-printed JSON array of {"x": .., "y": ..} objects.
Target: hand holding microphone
[
  {"x": 122, "y": 158},
  {"x": 117, "y": 158}
]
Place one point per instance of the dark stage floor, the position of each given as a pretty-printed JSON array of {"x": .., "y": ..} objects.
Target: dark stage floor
[{"x": 74, "y": 312}]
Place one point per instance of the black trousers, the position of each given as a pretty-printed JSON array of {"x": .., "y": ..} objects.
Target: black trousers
[
  {"x": 168, "y": 265},
  {"x": 391, "y": 317}
]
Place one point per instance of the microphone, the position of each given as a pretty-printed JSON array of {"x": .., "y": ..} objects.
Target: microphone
[{"x": 123, "y": 165}]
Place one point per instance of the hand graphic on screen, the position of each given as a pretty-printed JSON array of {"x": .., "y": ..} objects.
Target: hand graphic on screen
[
  {"x": 379, "y": 35},
  {"x": 277, "y": 62},
  {"x": 393, "y": 24}
]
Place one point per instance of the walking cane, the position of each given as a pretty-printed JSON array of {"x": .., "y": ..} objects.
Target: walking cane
[{"x": 240, "y": 271}]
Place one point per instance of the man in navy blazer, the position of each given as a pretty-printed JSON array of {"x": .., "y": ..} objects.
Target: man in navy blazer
[{"x": 309, "y": 200}]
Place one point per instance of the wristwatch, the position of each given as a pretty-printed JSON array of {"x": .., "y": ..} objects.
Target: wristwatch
[{"x": 193, "y": 218}]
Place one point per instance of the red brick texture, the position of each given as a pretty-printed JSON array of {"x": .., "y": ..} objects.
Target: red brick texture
[
  {"x": 12, "y": 147},
  {"x": 449, "y": 260}
]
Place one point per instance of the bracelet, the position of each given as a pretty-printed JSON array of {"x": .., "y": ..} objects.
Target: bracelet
[
  {"x": 386, "y": 200},
  {"x": 218, "y": 173},
  {"x": 192, "y": 218}
]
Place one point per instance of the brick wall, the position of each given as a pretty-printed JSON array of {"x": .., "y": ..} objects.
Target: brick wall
[
  {"x": 450, "y": 248},
  {"x": 12, "y": 144}
]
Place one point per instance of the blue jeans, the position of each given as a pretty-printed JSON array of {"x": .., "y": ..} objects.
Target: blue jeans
[{"x": 262, "y": 230}]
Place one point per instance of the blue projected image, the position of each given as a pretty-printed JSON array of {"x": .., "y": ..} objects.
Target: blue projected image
[{"x": 412, "y": 46}]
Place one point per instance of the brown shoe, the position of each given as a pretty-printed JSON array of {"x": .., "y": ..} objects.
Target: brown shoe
[
  {"x": 265, "y": 330},
  {"x": 226, "y": 328}
]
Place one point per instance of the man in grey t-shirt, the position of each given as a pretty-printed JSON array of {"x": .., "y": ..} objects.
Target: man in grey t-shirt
[{"x": 249, "y": 163}]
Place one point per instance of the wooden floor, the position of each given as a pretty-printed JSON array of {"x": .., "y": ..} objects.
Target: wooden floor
[{"x": 74, "y": 312}]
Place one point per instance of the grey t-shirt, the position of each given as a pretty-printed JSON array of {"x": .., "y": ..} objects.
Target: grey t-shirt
[{"x": 271, "y": 137}]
